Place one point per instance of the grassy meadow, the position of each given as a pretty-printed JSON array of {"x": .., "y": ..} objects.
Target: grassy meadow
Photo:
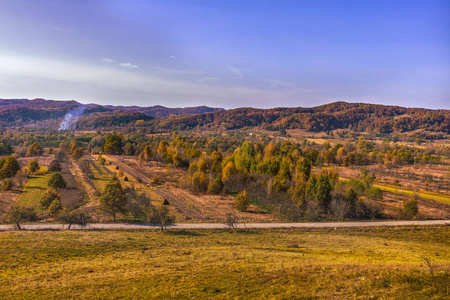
[
  {"x": 365, "y": 263},
  {"x": 33, "y": 190}
]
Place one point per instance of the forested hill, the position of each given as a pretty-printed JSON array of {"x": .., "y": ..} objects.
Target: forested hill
[
  {"x": 161, "y": 111},
  {"x": 25, "y": 112},
  {"x": 337, "y": 115}
]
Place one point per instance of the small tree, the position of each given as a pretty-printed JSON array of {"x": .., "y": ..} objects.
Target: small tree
[
  {"x": 114, "y": 199},
  {"x": 231, "y": 222},
  {"x": 54, "y": 166},
  {"x": 56, "y": 181},
  {"x": 19, "y": 214},
  {"x": 9, "y": 166},
  {"x": 48, "y": 198},
  {"x": 160, "y": 215},
  {"x": 73, "y": 217},
  {"x": 35, "y": 150},
  {"x": 101, "y": 160},
  {"x": 55, "y": 207},
  {"x": 411, "y": 208},
  {"x": 33, "y": 166},
  {"x": 242, "y": 201},
  {"x": 7, "y": 185}
]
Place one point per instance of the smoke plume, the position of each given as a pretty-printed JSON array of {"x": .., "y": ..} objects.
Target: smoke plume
[{"x": 71, "y": 118}]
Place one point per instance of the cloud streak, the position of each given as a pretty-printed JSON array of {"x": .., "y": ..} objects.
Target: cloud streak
[{"x": 126, "y": 65}]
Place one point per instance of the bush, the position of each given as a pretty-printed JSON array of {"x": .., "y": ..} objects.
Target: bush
[
  {"x": 410, "y": 208},
  {"x": 242, "y": 201},
  {"x": 48, "y": 198},
  {"x": 33, "y": 166},
  {"x": 7, "y": 185},
  {"x": 54, "y": 166},
  {"x": 55, "y": 207},
  {"x": 56, "y": 181}
]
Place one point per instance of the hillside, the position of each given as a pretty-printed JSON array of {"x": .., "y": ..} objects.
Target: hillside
[
  {"x": 161, "y": 111},
  {"x": 338, "y": 115}
]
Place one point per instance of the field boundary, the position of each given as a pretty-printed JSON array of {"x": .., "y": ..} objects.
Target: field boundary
[{"x": 184, "y": 226}]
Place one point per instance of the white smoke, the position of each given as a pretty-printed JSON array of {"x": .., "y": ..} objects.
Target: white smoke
[{"x": 71, "y": 118}]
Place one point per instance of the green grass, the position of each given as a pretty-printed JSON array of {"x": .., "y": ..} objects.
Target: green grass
[
  {"x": 34, "y": 188},
  {"x": 422, "y": 194},
  {"x": 101, "y": 177},
  {"x": 344, "y": 263}
]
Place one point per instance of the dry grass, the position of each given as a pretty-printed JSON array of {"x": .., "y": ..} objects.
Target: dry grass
[{"x": 263, "y": 264}]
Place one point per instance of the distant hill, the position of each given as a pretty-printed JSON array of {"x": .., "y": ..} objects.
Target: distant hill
[
  {"x": 338, "y": 115},
  {"x": 23, "y": 112},
  {"x": 161, "y": 111}
]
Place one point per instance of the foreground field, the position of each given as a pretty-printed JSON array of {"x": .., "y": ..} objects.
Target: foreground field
[{"x": 402, "y": 263}]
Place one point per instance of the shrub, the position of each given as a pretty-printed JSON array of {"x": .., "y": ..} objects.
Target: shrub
[
  {"x": 56, "y": 181},
  {"x": 48, "y": 197},
  {"x": 411, "y": 208},
  {"x": 7, "y": 185},
  {"x": 242, "y": 201},
  {"x": 55, "y": 207},
  {"x": 33, "y": 166},
  {"x": 54, "y": 166}
]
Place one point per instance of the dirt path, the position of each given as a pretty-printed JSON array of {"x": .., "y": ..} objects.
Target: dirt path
[
  {"x": 182, "y": 206},
  {"x": 139, "y": 177},
  {"x": 224, "y": 226},
  {"x": 78, "y": 174}
]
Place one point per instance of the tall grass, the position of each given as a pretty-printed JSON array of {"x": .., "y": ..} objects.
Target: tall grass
[{"x": 263, "y": 264}]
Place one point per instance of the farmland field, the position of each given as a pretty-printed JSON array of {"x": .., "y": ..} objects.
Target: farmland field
[{"x": 397, "y": 263}]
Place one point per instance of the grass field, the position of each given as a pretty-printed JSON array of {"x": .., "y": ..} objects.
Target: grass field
[
  {"x": 362, "y": 263},
  {"x": 423, "y": 194},
  {"x": 34, "y": 188}
]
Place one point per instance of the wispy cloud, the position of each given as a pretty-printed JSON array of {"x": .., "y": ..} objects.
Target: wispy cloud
[
  {"x": 108, "y": 60},
  {"x": 114, "y": 62},
  {"x": 29, "y": 76},
  {"x": 239, "y": 73},
  {"x": 128, "y": 65},
  {"x": 170, "y": 71}
]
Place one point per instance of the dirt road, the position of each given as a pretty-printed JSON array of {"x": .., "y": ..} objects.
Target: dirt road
[{"x": 222, "y": 226}]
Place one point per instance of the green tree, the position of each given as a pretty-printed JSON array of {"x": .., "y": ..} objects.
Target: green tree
[
  {"x": 77, "y": 153},
  {"x": 55, "y": 207},
  {"x": 9, "y": 166},
  {"x": 56, "y": 181},
  {"x": 7, "y": 184},
  {"x": 33, "y": 166},
  {"x": 35, "y": 150},
  {"x": 113, "y": 144},
  {"x": 242, "y": 201},
  {"x": 114, "y": 198},
  {"x": 48, "y": 197},
  {"x": 411, "y": 208},
  {"x": 101, "y": 160},
  {"x": 215, "y": 186},
  {"x": 19, "y": 214},
  {"x": 323, "y": 191}
]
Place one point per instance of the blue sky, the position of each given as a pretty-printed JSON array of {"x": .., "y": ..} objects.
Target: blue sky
[{"x": 227, "y": 53}]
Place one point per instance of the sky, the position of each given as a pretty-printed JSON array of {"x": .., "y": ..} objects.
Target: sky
[{"x": 227, "y": 53}]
